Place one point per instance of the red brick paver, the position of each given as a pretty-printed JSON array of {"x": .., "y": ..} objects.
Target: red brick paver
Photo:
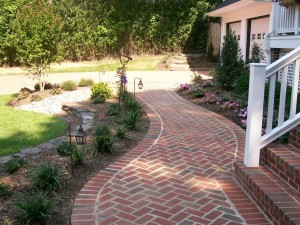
[{"x": 181, "y": 173}]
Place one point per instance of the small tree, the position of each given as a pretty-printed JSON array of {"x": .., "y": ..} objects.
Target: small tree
[
  {"x": 257, "y": 53},
  {"x": 38, "y": 30},
  {"x": 231, "y": 64}
]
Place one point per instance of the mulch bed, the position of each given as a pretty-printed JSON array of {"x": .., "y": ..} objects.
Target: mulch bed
[
  {"x": 20, "y": 182},
  {"x": 227, "y": 113}
]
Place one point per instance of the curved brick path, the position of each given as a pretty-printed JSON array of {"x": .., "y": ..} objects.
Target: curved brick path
[{"x": 181, "y": 173}]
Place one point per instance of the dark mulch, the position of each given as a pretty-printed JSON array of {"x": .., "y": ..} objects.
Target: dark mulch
[
  {"x": 227, "y": 113},
  {"x": 20, "y": 182}
]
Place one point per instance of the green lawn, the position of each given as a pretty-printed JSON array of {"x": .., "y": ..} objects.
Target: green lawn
[
  {"x": 22, "y": 129},
  {"x": 139, "y": 63}
]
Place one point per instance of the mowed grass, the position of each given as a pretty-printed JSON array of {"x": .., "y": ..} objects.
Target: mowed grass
[
  {"x": 22, "y": 129},
  {"x": 139, "y": 63}
]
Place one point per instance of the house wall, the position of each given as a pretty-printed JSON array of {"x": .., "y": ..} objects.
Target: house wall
[{"x": 244, "y": 14}]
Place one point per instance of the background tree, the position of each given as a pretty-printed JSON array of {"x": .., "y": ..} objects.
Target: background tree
[
  {"x": 231, "y": 65},
  {"x": 37, "y": 31}
]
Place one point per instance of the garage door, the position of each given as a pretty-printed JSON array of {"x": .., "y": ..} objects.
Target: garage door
[
  {"x": 236, "y": 28},
  {"x": 258, "y": 29}
]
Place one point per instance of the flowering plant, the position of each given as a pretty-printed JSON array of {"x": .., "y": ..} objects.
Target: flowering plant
[
  {"x": 185, "y": 86},
  {"x": 212, "y": 98},
  {"x": 229, "y": 105},
  {"x": 207, "y": 83}
]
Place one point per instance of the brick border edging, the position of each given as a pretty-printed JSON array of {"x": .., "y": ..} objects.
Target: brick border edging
[{"x": 83, "y": 210}]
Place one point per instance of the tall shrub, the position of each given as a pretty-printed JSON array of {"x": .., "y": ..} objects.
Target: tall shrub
[
  {"x": 37, "y": 29},
  {"x": 230, "y": 65}
]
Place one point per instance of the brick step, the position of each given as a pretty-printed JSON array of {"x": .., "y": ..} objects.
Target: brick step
[
  {"x": 294, "y": 137},
  {"x": 284, "y": 161},
  {"x": 275, "y": 197}
]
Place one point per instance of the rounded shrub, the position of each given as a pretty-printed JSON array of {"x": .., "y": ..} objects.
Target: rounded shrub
[
  {"x": 35, "y": 98},
  {"x": 55, "y": 91},
  {"x": 35, "y": 208},
  {"x": 101, "y": 89},
  {"x": 47, "y": 86},
  {"x": 47, "y": 177},
  {"x": 85, "y": 82},
  {"x": 23, "y": 93},
  {"x": 98, "y": 99},
  {"x": 69, "y": 85},
  {"x": 65, "y": 149}
]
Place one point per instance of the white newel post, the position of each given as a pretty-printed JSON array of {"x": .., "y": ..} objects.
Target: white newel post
[{"x": 255, "y": 113}]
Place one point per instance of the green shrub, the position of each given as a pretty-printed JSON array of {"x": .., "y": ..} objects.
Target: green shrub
[
  {"x": 131, "y": 118},
  {"x": 78, "y": 156},
  {"x": 47, "y": 86},
  {"x": 113, "y": 109},
  {"x": 98, "y": 99},
  {"x": 65, "y": 149},
  {"x": 23, "y": 93},
  {"x": 131, "y": 104},
  {"x": 199, "y": 93},
  {"x": 47, "y": 177},
  {"x": 55, "y": 91},
  {"x": 121, "y": 132},
  {"x": 35, "y": 98},
  {"x": 104, "y": 143},
  {"x": 101, "y": 89},
  {"x": 231, "y": 64},
  {"x": 85, "y": 82},
  {"x": 257, "y": 53},
  {"x": 35, "y": 208},
  {"x": 14, "y": 164},
  {"x": 69, "y": 85},
  {"x": 197, "y": 80},
  {"x": 242, "y": 84},
  {"x": 102, "y": 130},
  {"x": 210, "y": 53},
  {"x": 4, "y": 191}
]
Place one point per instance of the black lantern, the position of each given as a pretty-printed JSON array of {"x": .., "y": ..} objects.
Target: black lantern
[
  {"x": 140, "y": 84},
  {"x": 80, "y": 136}
]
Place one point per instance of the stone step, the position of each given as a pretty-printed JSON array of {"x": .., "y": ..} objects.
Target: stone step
[
  {"x": 284, "y": 161},
  {"x": 275, "y": 197}
]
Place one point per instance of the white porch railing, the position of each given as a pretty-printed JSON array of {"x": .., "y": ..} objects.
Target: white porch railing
[
  {"x": 287, "y": 19},
  {"x": 258, "y": 75}
]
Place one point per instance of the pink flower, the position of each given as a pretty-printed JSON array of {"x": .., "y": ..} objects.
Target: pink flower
[{"x": 244, "y": 121}]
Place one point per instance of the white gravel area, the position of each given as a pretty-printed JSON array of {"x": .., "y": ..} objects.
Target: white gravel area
[{"x": 53, "y": 105}]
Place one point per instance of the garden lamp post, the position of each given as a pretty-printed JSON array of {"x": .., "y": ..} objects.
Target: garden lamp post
[
  {"x": 80, "y": 137},
  {"x": 140, "y": 85},
  {"x": 101, "y": 72}
]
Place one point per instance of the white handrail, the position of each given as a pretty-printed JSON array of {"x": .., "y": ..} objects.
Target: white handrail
[{"x": 258, "y": 74}]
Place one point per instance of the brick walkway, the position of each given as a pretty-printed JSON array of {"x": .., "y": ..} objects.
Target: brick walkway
[{"x": 181, "y": 173}]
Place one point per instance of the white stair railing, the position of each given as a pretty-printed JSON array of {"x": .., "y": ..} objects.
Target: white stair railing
[
  {"x": 286, "y": 19},
  {"x": 259, "y": 73}
]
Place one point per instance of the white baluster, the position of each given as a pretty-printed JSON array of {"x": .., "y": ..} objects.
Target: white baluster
[
  {"x": 271, "y": 103},
  {"x": 282, "y": 96},
  {"x": 295, "y": 89}
]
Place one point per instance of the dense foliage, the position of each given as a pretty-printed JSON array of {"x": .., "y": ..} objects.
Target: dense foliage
[
  {"x": 95, "y": 29},
  {"x": 231, "y": 65}
]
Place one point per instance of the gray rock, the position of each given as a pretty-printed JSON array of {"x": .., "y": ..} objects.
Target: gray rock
[
  {"x": 5, "y": 159},
  {"x": 31, "y": 150}
]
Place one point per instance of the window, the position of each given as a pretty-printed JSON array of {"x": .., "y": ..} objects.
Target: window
[
  {"x": 253, "y": 37},
  {"x": 258, "y": 36},
  {"x": 239, "y": 37}
]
